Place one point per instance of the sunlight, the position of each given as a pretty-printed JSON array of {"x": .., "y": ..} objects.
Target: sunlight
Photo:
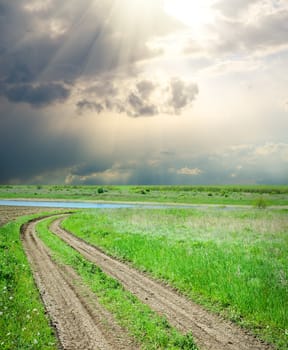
[{"x": 193, "y": 13}]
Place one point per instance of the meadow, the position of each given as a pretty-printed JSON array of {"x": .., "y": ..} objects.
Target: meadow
[
  {"x": 222, "y": 195},
  {"x": 233, "y": 262}
]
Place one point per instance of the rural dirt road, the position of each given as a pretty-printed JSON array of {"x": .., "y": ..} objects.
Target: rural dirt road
[{"x": 81, "y": 323}]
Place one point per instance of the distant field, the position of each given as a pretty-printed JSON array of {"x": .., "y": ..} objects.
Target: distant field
[{"x": 222, "y": 195}]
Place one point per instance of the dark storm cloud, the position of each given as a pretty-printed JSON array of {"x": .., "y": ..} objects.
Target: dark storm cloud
[
  {"x": 161, "y": 173},
  {"x": 49, "y": 42},
  {"x": 243, "y": 164},
  {"x": 25, "y": 62},
  {"x": 27, "y": 150},
  {"x": 27, "y": 47},
  {"x": 39, "y": 95},
  {"x": 87, "y": 168}
]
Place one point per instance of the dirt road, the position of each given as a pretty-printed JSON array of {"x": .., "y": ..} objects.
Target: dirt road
[
  {"x": 209, "y": 331},
  {"x": 81, "y": 323}
]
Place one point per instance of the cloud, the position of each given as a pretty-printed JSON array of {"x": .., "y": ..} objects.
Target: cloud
[
  {"x": 260, "y": 164},
  {"x": 45, "y": 45},
  {"x": 139, "y": 107},
  {"x": 260, "y": 28},
  {"x": 99, "y": 173},
  {"x": 182, "y": 94},
  {"x": 85, "y": 105},
  {"x": 140, "y": 97},
  {"x": 102, "y": 88},
  {"x": 233, "y": 165},
  {"x": 189, "y": 171},
  {"x": 58, "y": 154},
  {"x": 233, "y": 8},
  {"x": 271, "y": 150},
  {"x": 29, "y": 149},
  {"x": 103, "y": 58},
  {"x": 145, "y": 88},
  {"x": 139, "y": 103},
  {"x": 81, "y": 39},
  {"x": 242, "y": 30},
  {"x": 37, "y": 95}
]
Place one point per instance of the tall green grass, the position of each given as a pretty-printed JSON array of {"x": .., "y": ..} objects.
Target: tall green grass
[
  {"x": 233, "y": 262},
  {"x": 23, "y": 323},
  {"x": 148, "y": 328},
  {"x": 242, "y": 195}
]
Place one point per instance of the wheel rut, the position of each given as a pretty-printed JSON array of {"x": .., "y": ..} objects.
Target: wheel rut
[
  {"x": 209, "y": 330},
  {"x": 80, "y": 321}
]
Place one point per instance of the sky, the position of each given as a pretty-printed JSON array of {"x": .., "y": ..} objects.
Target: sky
[{"x": 143, "y": 92}]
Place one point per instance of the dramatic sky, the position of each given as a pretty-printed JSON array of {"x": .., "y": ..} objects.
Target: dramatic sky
[{"x": 144, "y": 91}]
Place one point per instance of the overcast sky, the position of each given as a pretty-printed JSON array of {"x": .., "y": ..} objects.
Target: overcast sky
[{"x": 144, "y": 91}]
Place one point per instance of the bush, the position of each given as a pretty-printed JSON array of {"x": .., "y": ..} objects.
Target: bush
[{"x": 260, "y": 203}]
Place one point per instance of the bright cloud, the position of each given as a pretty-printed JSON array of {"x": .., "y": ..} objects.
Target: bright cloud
[{"x": 189, "y": 171}]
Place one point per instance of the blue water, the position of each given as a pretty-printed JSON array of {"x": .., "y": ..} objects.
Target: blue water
[
  {"x": 94, "y": 205},
  {"x": 56, "y": 204},
  {"x": 91, "y": 205}
]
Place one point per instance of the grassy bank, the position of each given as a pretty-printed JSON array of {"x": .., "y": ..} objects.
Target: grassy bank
[
  {"x": 148, "y": 328},
  {"x": 234, "y": 262},
  {"x": 23, "y": 323},
  {"x": 243, "y": 195}
]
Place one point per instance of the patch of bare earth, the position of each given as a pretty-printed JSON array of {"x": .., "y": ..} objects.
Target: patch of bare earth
[
  {"x": 8, "y": 213},
  {"x": 80, "y": 321},
  {"x": 209, "y": 331}
]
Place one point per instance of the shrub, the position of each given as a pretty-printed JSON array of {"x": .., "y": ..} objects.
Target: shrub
[
  {"x": 100, "y": 190},
  {"x": 260, "y": 203}
]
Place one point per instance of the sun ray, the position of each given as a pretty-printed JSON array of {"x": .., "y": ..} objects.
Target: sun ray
[{"x": 193, "y": 13}]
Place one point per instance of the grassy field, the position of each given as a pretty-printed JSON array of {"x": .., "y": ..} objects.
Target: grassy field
[
  {"x": 223, "y": 195},
  {"x": 234, "y": 262},
  {"x": 23, "y": 323}
]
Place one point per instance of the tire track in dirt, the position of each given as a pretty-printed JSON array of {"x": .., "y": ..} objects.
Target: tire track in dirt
[
  {"x": 209, "y": 331},
  {"x": 81, "y": 323}
]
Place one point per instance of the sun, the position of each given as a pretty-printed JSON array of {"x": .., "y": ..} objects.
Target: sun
[{"x": 193, "y": 13}]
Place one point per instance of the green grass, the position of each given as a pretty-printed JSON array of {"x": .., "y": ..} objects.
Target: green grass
[
  {"x": 149, "y": 329},
  {"x": 23, "y": 323},
  {"x": 240, "y": 195},
  {"x": 234, "y": 262}
]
